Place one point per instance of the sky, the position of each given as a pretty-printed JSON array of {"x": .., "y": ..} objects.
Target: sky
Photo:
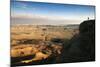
[{"x": 23, "y": 12}]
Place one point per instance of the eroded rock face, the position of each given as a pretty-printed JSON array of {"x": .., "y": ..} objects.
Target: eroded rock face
[
  {"x": 39, "y": 52},
  {"x": 23, "y": 50},
  {"x": 82, "y": 46}
]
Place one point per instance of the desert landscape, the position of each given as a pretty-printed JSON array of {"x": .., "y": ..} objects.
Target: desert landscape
[
  {"x": 50, "y": 33},
  {"x": 39, "y": 42}
]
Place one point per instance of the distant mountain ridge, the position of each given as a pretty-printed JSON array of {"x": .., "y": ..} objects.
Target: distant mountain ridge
[{"x": 42, "y": 21}]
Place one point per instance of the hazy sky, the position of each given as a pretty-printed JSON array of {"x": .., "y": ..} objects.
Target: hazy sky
[{"x": 47, "y": 13}]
